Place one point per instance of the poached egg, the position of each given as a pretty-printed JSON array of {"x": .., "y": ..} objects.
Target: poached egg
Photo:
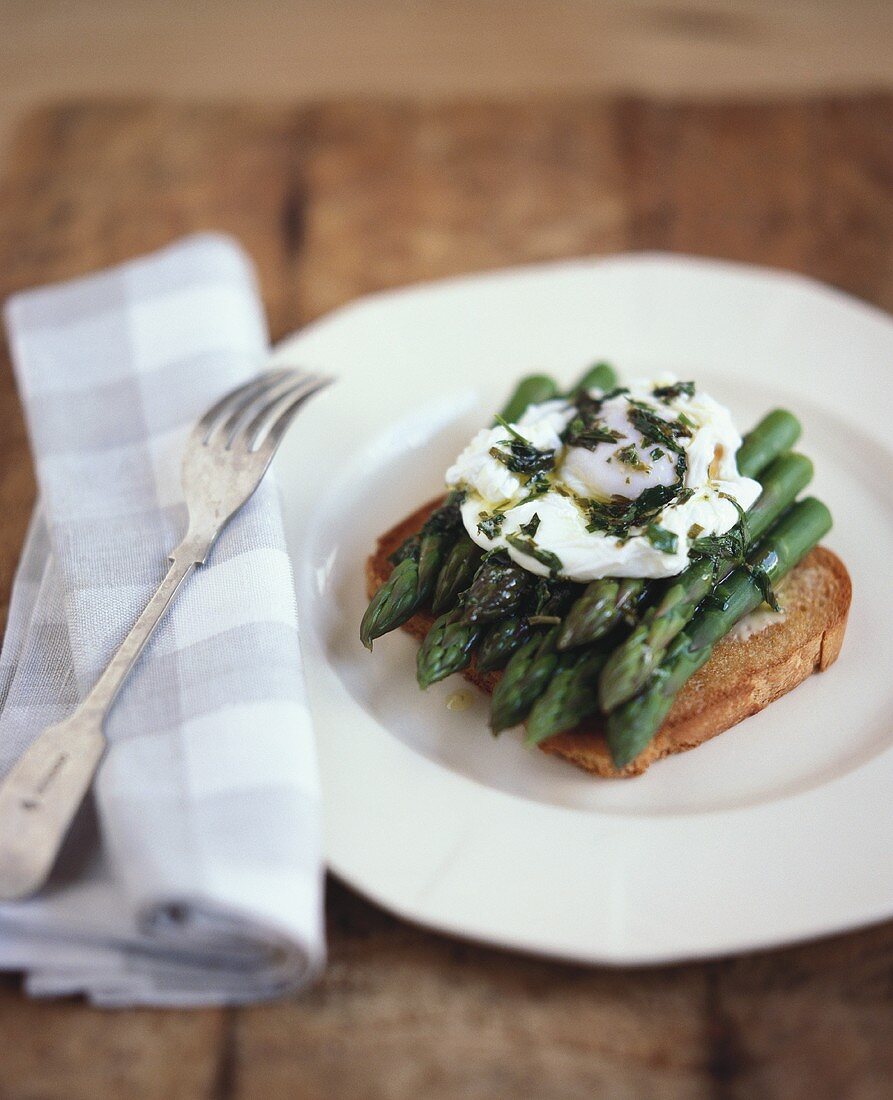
[{"x": 605, "y": 484}]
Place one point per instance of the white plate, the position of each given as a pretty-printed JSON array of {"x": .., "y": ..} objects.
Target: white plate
[{"x": 779, "y": 829}]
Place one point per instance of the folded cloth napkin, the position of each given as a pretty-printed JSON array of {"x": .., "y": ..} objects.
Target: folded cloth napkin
[{"x": 195, "y": 875}]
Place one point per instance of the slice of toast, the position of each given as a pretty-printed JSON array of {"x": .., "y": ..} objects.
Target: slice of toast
[{"x": 740, "y": 678}]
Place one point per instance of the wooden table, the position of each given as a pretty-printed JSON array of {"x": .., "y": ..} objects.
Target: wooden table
[{"x": 340, "y": 199}]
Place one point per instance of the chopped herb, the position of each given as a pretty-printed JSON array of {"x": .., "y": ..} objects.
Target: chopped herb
[
  {"x": 728, "y": 547},
  {"x": 523, "y": 458},
  {"x": 617, "y": 516},
  {"x": 686, "y": 420},
  {"x": 580, "y": 434},
  {"x": 591, "y": 437},
  {"x": 678, "y": 389},
  {"x": 530, "y": 528},
  {"x": 663, "y": 539},
  {"x": 695, "y": 530},
  {"x": 545, "y": 557},
  {"x": 654, "y": 429},
  {"x": 491, "y": 525},
  {"x": 587, "y": 429},
  {"x": 658, "y": 496},
  {"x": 513, "y": 432},
  {"x": 742, "y": 515},
  {"x": 657, "y": 453},
  {"x": 761, "y": 579},
  {"x": 611, "y": 394},
  {"x": 536, "y": 487},
  {"x": 629, "y": 456}
]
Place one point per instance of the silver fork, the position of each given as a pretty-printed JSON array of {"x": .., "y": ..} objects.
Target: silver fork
[{"x": 226, "y": 457}]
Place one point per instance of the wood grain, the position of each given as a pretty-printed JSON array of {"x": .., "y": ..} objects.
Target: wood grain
[
  {"x": 305, "y": 50},
  {"x": 339, "y": 199}
]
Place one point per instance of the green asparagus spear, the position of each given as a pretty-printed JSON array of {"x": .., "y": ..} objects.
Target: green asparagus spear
[
  {"x": 412, "y": 581},
  {"x": 546, "y": 604},
  {"x": 570, "y": 696},
  {"x": 776, "y": 433},
  {"x": 498, "y": 589},
  {"x": 602, "y": 605},
  {"x": 436, "y": 539},
  {"x": 525, "y": 678},
  {"x": 600, "y": 376},
  {"x": 630, "y": 665},
  {"x": 394, "y": 603},
  {"x": 628, "y": 668},
  {"x": 501, "y": 641},
  {"x": 531, "y": 390},
  {"x": 456, "y": 574},
  {"x": 780, "y": 484},
  {"x": 447, "y": 648},
  {"x": 631, "y": 726}
]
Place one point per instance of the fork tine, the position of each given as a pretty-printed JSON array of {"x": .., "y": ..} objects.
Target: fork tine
[
  {"x": 238, "y": 398},
  {"x": 228, "y": 425},
  {"x": 280, "y": 426},
  {"x": 251, "y": 435}
]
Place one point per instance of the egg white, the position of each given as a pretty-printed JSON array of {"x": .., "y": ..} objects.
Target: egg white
[{"x": 582, "y": 474}]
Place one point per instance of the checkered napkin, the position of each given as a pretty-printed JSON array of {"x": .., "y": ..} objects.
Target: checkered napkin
[{"x": 194, "y": 874}]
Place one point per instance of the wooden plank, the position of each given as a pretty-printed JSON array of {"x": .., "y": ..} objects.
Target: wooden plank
[
  {"x": 341, "y": 199},
  {"x": 811, "y": 1021},
  {"x": 404, "y": 1013},
  {"x": 803, "y": 186},
  {"x": 65, "y": 1049},
  {"x": 270, "y": 51},
  {"x": 406, "y": 193}
]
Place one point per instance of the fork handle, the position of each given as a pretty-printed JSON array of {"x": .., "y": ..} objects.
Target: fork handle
[
  {"x": 38, "y": 801},
  {"x": 99, "y": 699},
  {"x": 41, "y": 795}
]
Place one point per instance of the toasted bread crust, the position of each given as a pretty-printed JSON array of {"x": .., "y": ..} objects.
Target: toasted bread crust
[{"x": 740, "y": 679}]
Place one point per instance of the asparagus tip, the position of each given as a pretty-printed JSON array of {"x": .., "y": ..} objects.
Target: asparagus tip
[
  {"x": 536, "y": 735},
  {"x": 612, "y": 692}
]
